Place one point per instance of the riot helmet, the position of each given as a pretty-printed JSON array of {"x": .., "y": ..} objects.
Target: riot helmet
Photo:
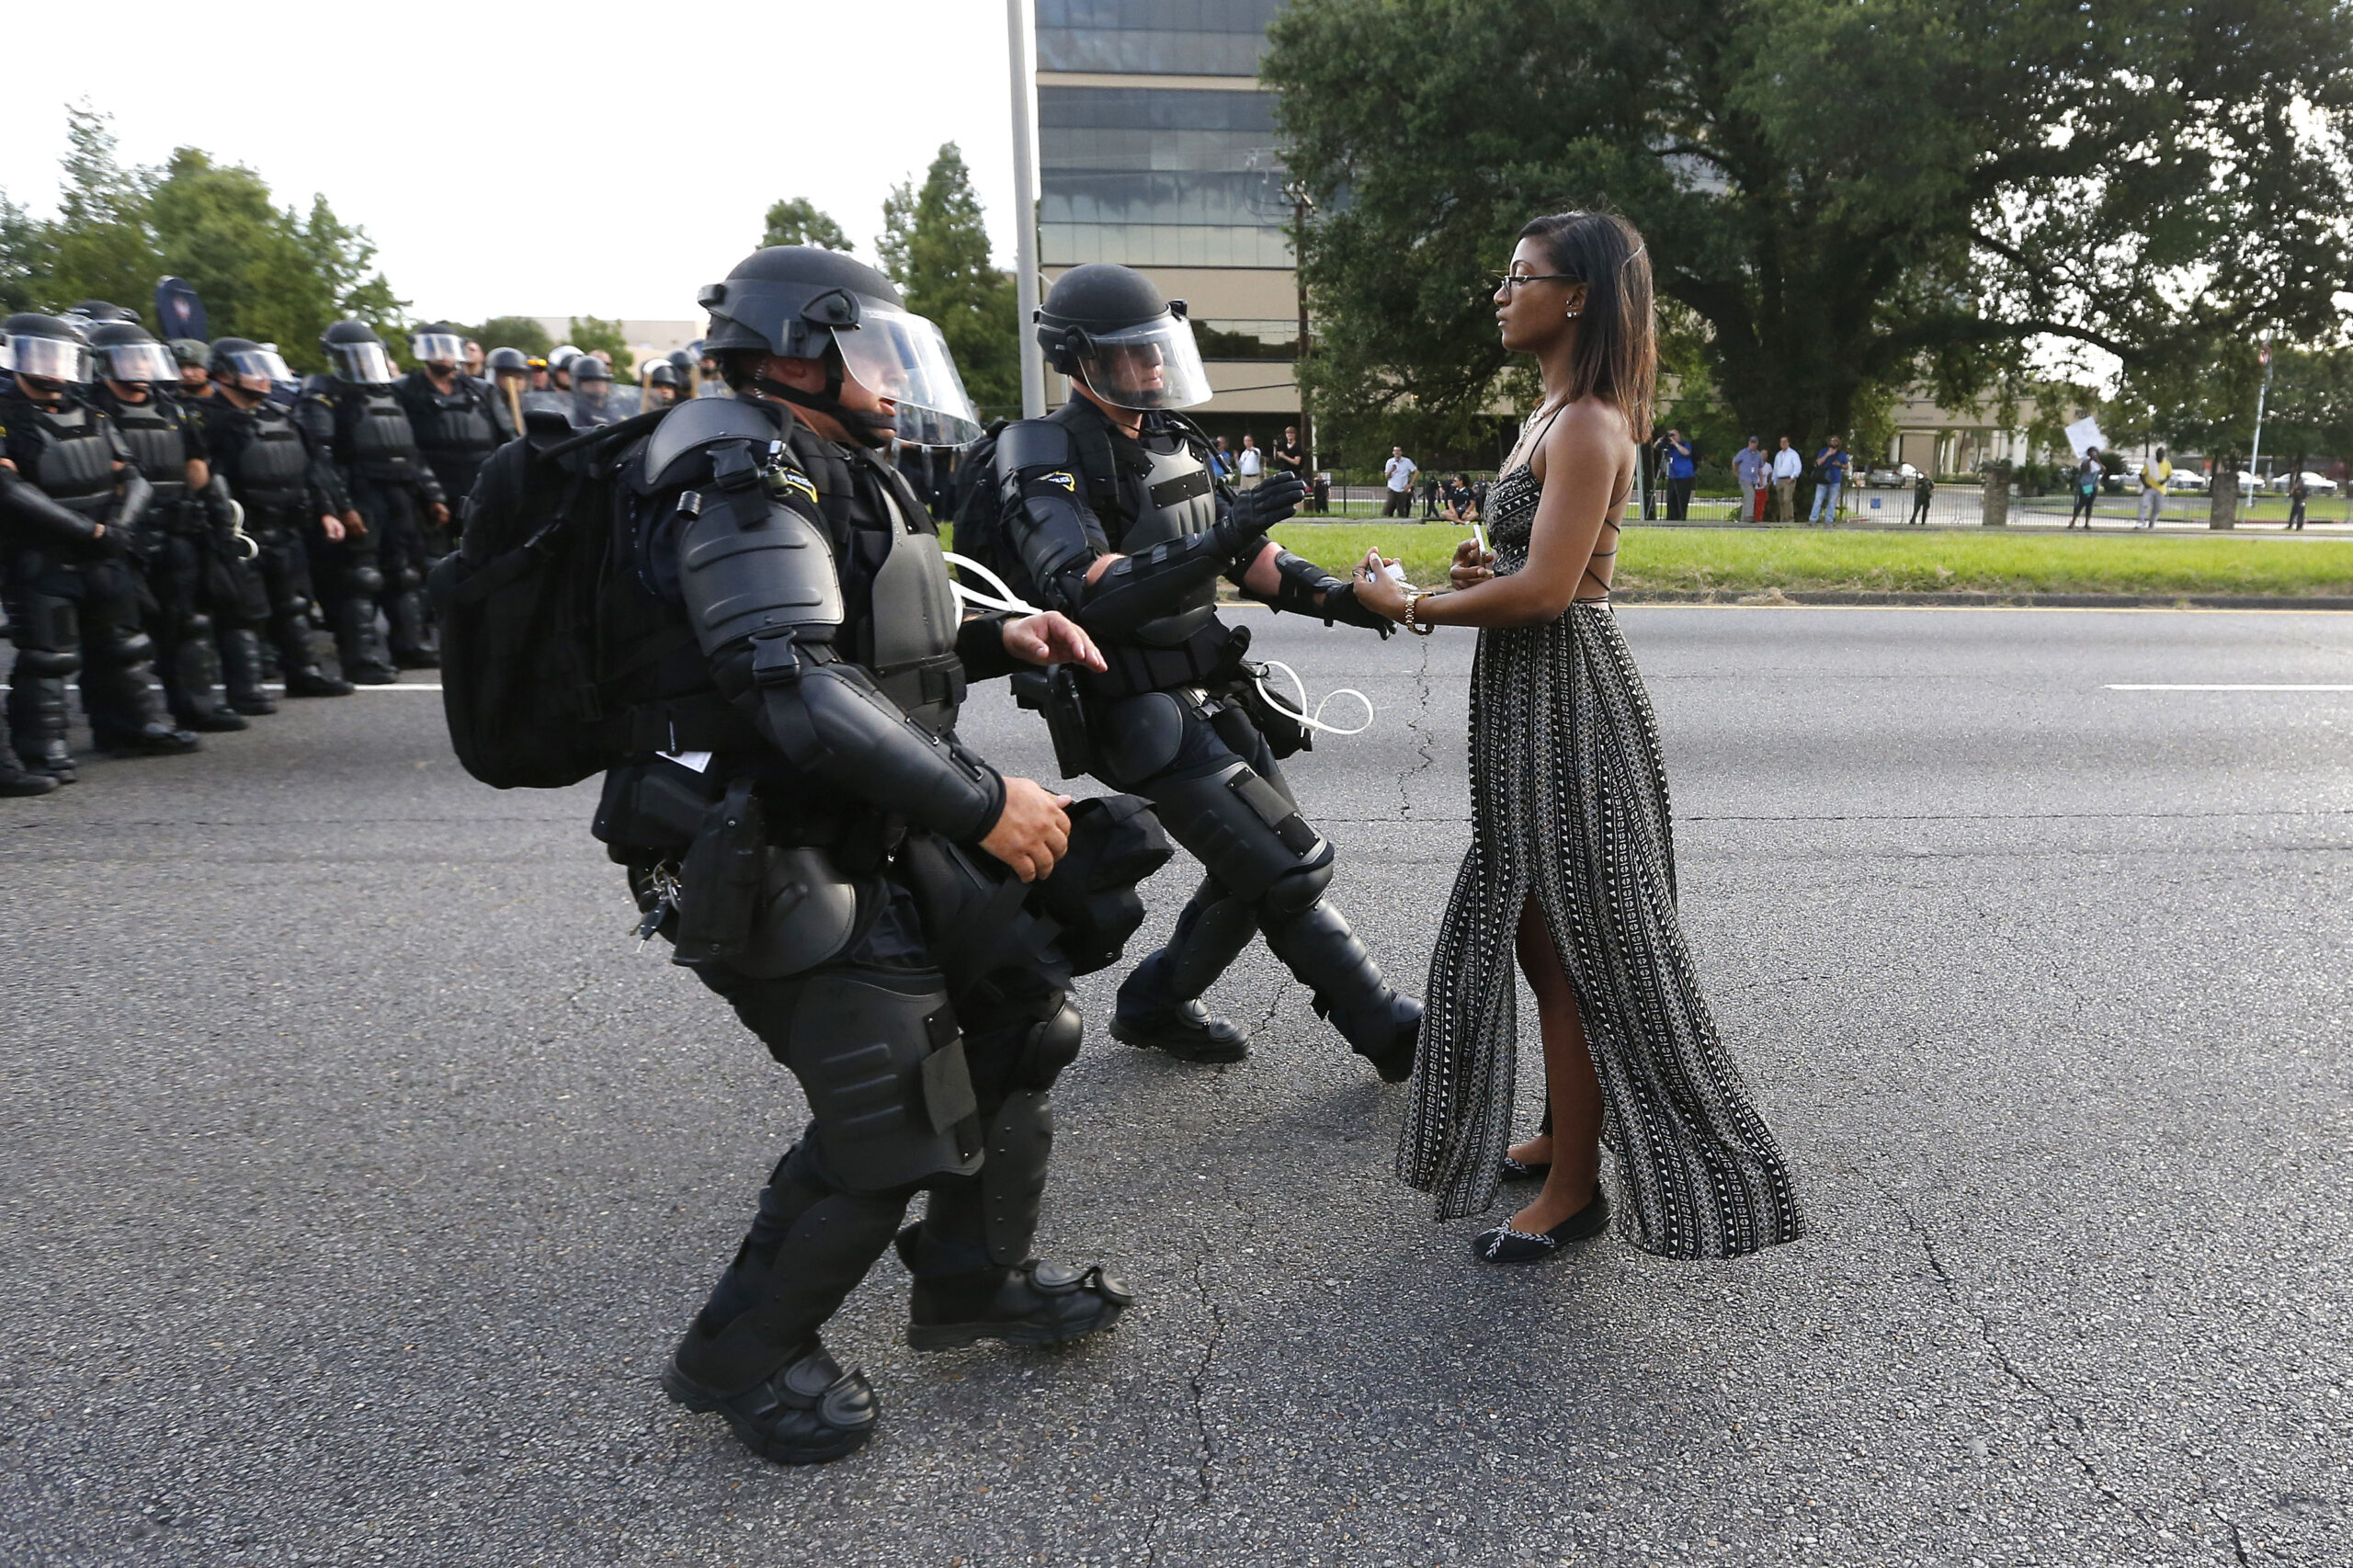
[
  {"x": 1108, "y": 326},
  {"x": 508, "y": 361},
  {"x": 248, "y": 366},
  {"x": 804, "y": 303},
  {"x": 47, "y": 351},
  {"x": 97, "y": 311},
  {"x": 439, "y": 344},
  {"x": 592, "y": 390},
  {"x": 124, "y": 352},
  {"x": 191, "y": 351},
  {"x": 356, "y": 353}
]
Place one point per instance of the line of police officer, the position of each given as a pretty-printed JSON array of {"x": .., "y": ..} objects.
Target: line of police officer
[{"x": 192, "y": 513}]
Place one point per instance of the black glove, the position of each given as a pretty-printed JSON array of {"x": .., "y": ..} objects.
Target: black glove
[
  {"x": 1340, "y": 603},
  {"x": 1255, "y": 511}
]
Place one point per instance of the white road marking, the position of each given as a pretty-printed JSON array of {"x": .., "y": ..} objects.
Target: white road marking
[{"x": 2234, "y": 687}]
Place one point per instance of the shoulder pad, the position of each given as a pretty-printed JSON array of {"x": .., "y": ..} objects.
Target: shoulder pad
[
  {"x": 546, "y": 427},
  {"x": 691, "y": 426},
  {"x": 1032, "y": 443}
]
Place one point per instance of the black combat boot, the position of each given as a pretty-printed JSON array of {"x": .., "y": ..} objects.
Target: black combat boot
[
  {"x": 807, "y": 1411},
  {"x": 1034, "y": 1303},
  {"x": 194, "y": 667},
  {"x": 1149, "y": 1016},
  {"x": 241, "y": 671}
]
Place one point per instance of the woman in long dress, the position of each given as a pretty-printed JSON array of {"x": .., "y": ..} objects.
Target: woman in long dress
[{"x": 1571, "y": 865}]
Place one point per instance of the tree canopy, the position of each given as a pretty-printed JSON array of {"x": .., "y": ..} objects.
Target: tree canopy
[
  {"x": 935, "y": 246},
  {"x": 513, "y": 331},
  {"x": 796, "y": 221},
  {"x": 264, "y": 271},
  {"x": 1841, "y": 197}
]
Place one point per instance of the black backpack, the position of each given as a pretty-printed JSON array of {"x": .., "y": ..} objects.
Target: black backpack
[{"x": 524, "y": 666}]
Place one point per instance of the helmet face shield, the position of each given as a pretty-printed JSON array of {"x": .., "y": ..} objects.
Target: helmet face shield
[
  {"x": 137, "y": 362},
  {"x": 49, "y": 358},
  {"x": 262, "y": 365},
  {"x": 437, "y": 347},
  {"x": 365, "y": 363},
  {"x": 904, "y": 358},
  {"x": 1153, "y": 364}
]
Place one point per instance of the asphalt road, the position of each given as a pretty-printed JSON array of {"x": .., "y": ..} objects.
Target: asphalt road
[{"x": 361, "y": 1171}]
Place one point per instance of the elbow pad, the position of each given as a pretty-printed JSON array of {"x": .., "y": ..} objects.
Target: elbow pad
[
  {"x": 828, "y": 718},
  {"x": 1139, "y": 589},
  {"x": 1056, "y": 536},
  {"x": 24, "y": 501}
]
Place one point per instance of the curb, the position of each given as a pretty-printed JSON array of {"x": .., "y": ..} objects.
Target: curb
[{"x": 1968, "y": 600}]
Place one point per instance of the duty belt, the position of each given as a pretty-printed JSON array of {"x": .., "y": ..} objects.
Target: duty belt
[
  {"x": 702, "y": 721},
  {"x": 1204, "y": 658}
]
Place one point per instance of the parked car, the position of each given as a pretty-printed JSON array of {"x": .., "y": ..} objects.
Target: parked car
[
  {"x": 2314, "y": 484},
  {"x": 1900, "y": 477},
  {"x": 2190, "y": 481}
]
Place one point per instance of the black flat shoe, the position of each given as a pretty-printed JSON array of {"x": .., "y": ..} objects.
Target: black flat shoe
[
  {"x": 1503, "y": 1244},
  {"x": 1519, "y": 1170}
]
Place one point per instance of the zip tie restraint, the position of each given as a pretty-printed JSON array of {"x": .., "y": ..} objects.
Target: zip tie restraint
[{"x": 1004, "y": 599}]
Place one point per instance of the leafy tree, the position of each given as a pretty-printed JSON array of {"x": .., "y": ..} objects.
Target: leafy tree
[
  {"x": 796, "y": 221},
  {"x": 936, "y": 247},
  {"x": 512, "y": 332},
  {"x": 1847, "y": 195},
  {"x": 263, "y": 272},
  {"x": 589, "y": 334}
]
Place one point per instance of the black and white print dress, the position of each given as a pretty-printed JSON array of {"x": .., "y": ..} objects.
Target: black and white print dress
[{"x": 1568, "y": 803}]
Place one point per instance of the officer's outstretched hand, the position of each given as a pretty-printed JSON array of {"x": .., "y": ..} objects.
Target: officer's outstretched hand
[
  {"x": 1051, "y": 638},
  {"x": 1255, "y": 511},
  {"x": 1032, "y": 832}
]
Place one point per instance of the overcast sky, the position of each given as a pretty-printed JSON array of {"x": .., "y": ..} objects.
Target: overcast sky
[{"x": 480, "y": 145}]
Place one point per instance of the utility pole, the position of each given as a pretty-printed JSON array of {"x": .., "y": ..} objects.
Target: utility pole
[
  {"x": 1299, "y": 208},
  {"x": 1024, "y": 216},
  {"x": 2255, "y": 459}
]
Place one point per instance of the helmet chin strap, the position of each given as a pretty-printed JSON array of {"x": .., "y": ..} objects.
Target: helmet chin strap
[{"x": 869, "y": 428}]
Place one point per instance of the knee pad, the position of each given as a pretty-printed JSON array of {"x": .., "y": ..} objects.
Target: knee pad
[
  {"x": 881, "y": 1062},
  {"x": 1299, "y": 888},
  {"x": 45, "y": 624},
  {"x": 198, "y": 625},
  {"x": 48, "y": 662},
  {"x": 1241, "y": 826},
  {"x": 137, "y": 648},
  {"x": 1141, "y": 736},
  {"x": 409, "y": 579},
  {"x": 366, "y": 580},
  {"x": 1051, "y": 1046}
]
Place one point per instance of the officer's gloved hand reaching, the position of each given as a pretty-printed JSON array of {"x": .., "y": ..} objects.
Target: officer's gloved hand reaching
[{"x": 1254, "y": 511}]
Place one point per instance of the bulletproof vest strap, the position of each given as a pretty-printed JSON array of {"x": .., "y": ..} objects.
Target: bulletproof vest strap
[
  {"x": 1098, "y": 464},
  {"x": 829, "y": 471}
]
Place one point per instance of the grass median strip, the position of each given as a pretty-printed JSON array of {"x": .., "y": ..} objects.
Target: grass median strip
[{"x": 1687, "y": 560}]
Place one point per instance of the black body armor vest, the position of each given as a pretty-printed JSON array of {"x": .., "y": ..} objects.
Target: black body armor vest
[
  {"x": 273, "y": 471},
  {"x": 158, "y": 446},
  {"x": 377, "y": 439},
  {"x": 77, "y": 466},
  {"x": 454, "y": 426},
  {"x": 902, "y": 613},
  {"x": 1174, "y": 498}
]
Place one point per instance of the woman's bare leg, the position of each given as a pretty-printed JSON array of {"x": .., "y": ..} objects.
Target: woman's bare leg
[{"x": 1571, "y": 1088}]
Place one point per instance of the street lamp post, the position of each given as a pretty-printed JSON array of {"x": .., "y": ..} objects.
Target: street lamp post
[
  {"x": 1025, "y": 217},
  {"x": 1300, "y": 206},
  {"x": 2255, "y": 459}
]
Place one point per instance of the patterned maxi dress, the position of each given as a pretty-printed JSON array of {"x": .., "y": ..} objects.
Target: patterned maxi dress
[{"x": 1568, "y": 802}]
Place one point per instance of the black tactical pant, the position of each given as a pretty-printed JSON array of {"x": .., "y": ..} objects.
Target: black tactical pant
[
  {"x": 180, "y": 581},
  {"x": 398, "y": 524},
  {"x": 78, "y": 616},
  {"x": 280, "y": 596},
  {"x": 348, "y": 577},
  {"x": 1214, "y": 784},
  {"x": 907, "y": 1070}
]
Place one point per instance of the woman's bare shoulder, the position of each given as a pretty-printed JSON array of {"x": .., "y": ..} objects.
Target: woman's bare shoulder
[{"x": 1585, "y": 432}]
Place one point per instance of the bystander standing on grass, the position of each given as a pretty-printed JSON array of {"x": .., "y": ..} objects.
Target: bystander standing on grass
[
  {"x": 2154, "y": 475},
  {"x": 1682, "y": 464},
  {"x": 1397, "y": 474},
  {"x": 1830, "y": 466},
  {"x": 1249, "y": 464},
  {"x": 1756, "y": 471},
  {"x": 1786, "y": 469}
]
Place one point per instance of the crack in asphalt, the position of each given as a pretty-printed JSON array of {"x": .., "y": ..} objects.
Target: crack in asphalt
[
  {"x": 1197, "y": 1382},
  {"x": 1424, "y": 744},
  {"x": 2015, "y": 1373}
]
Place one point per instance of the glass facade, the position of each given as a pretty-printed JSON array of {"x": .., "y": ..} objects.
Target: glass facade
[
  {"x": 1159, "y": 177},
  {"x": 1166, "y": 37}
]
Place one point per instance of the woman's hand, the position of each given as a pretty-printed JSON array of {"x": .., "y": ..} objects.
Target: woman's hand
[
  {"x": 1377, "y": 590},
  {"x": 1470, "y": 566}
]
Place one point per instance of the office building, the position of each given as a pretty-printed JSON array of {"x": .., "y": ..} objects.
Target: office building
[{"x": 1156, "y": 148}]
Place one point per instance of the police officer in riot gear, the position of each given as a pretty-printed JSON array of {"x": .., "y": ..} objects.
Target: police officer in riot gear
[
  {"x": 592, "y": 392},
  {"x": 453, "y": 414},
  {"x": 194, "y": 358},
  {"x": 1111, "y": 514},
  {"x": 359, "y": 420},
  {"x": 167, "y": 444},
  {"x": 74, "y": 508},
  {"x": 289, "y": 490},
  {"x": 661, "y": 384},
  {"x": 862, "y": 887},
  {"x": 510, "y": 378}
]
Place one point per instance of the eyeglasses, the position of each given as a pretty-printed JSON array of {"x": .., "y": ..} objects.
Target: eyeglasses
[{"x": 1497, "y": 280}]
